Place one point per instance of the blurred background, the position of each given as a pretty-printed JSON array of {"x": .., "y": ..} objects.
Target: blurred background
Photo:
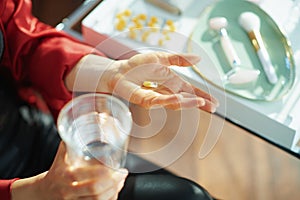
[{"x": 53, "y": 11}]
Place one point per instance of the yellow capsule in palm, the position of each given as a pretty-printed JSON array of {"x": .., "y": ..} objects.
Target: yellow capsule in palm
[{"x": 150, "y": 84}]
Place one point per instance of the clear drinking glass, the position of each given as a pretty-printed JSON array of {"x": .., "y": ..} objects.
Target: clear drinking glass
[{"x": 95, "y": 128}]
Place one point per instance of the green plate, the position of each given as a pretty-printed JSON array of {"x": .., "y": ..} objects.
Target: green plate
[{"x": 275, "y": 41}]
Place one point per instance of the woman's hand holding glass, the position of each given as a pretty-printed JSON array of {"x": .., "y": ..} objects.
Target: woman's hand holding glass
[{"x": 64, "y": 181}]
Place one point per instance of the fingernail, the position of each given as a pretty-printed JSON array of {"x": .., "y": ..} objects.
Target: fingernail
[
  {"x": 201, "y": 102},
  {"x": 192, "y": 58},
  {"x": 213, "y": 109},
  {"x": 120, "y": 174},
  {"x": 123, "y": 171}
]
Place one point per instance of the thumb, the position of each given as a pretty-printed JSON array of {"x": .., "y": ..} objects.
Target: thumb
[{"x": 60, "y": 154}]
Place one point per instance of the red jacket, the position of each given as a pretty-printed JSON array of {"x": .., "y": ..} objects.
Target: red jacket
[{"x": 37, "y": 54}]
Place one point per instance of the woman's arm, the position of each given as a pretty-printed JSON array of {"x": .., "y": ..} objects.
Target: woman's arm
[
  {"x": 125, "y": 78},
  {"x": 38, "y": 54}
]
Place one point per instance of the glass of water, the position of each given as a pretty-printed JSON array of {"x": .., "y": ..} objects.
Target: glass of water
[{"x": 95, "y": 128}]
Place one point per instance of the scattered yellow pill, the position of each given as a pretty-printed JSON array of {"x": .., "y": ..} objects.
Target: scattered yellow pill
[
  {"x": 131, "y": 28},
  {"x": 169, "y": 22},
  {"x": 120, "y": 26},
  {"x": 160, "y": 42},
  {"x": 154, "y": 19},
  {"x": 167, "y": 37},
  {"x": 138, "y": 25},
  {"x": 119, "y": 15},
  {"x": 145, "y": 36},
  {"x": 135, "y": 20},
  {"x": 172, "y": 28},
  {"x": 127, "y": 12},
  {"x": 142, "y": 16},
  {"x": 132, "y": 34},
  {"x": 150, "y": 24},
  {"x": 150, "y": 84}
]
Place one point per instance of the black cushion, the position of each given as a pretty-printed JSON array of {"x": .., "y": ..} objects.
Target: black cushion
[{"x": 161, "y": 186}]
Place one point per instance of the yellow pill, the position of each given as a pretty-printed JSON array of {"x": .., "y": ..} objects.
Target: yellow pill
[
  {"x": 160, "y": 42},
  {"x": 150, "y": 84},
  {"x": 119, "y": 15},
  {"x": 169, "y": 22},
  {"x": 138, "y": 25},
  {"x": 167, "y": 37},
  {"x": 131, "y": 28},
  {"x": 142, "y": 16},
  {"x": 172, "y": 28},
  {"x": 121, "y": 25},
  {"x": 135, "y": 20},
  {"x": 150, "y": 24},
  {"x": 145, "y": 36},
  {"x": 127, "y": 12},
  {"x": 154, "y": 19},
  {"x": 132, "y": 34}
]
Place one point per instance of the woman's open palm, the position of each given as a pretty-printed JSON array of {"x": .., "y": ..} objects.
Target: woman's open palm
[{"x": 166, "y": 88}]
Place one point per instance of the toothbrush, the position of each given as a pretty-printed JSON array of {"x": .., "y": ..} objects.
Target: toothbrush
[{"x": 251, "y": 24}]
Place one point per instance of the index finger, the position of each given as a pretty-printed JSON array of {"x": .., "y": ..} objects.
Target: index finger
[{"x": 183, "y": 59}]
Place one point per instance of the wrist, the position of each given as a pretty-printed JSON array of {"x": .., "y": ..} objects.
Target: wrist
[
  {"x": 92, "y": 73},
  {"x": 28, "y": 188},
  {"x": 118, "y": 69}
]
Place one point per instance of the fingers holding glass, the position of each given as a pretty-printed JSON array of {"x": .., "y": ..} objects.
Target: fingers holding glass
[{"x": 105, "y": 186}]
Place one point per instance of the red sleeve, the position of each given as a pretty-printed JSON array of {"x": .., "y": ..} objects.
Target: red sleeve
[
  {"x": 39, "y": 54},
  {"x": 5, "y": 189}
]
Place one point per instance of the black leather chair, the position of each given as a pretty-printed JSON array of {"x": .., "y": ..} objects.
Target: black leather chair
[{"x": 158, "y": 184}]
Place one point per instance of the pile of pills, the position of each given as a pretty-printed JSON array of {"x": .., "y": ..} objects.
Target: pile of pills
[{"x": 143, "y": 28}]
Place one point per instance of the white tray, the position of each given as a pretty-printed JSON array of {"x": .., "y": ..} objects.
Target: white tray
[{"x": 261, "y": 118}]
